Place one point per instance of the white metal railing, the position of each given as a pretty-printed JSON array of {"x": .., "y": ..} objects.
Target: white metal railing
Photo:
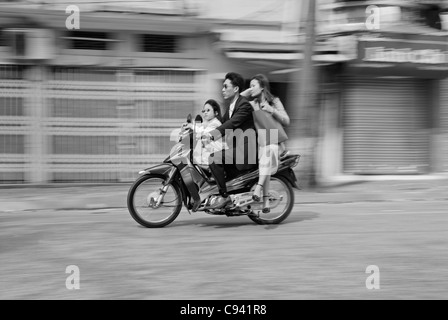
[{"x": 81, "y": 124}]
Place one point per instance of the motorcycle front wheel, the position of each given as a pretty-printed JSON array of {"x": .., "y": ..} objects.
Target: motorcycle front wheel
[
  {"x": 281, "y": 202},
  {"x": 151, "y": 207}
]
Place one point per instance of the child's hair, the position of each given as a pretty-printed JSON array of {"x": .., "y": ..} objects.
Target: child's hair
[{"x": 216, "y": 108}]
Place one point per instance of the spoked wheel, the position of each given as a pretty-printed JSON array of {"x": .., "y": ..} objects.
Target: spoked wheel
[
  {"x": 150, "y": 205},
  {"x": 281, "y": 202}
]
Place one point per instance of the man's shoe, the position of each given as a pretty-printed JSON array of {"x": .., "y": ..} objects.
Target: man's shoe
[{"x": 219, "y": 202}]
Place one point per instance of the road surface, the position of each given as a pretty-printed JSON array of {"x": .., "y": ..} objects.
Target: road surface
[{"x": 361, "y": 250}]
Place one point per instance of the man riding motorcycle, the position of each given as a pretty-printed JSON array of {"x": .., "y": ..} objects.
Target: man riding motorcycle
[{"x": 239, "y": 131}]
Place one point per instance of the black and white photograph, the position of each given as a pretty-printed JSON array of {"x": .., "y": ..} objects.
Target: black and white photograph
[{"x": 226, "y": 156}]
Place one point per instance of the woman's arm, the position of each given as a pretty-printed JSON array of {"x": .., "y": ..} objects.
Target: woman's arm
[
  {"x": 246, "y": 93},
  {"x": 279, "y": 113}
]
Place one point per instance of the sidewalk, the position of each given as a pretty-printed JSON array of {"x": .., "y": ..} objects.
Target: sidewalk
[{"x": 85, "y": 197}]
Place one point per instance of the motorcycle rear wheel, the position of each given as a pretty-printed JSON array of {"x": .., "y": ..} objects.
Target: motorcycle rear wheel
[
  {"x": 143, "y": 209},
  {"x": 281, "y": 202}
]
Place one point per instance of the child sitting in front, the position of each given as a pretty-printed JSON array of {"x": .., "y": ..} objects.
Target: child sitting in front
[{"x": 211, "y": 114}]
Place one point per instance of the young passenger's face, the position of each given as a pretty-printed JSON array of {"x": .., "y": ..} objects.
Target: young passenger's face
[
  {"x": 208, "y": 113},
  {"x": 228, "y": 90},
  {"x": 255, "y": 88}
]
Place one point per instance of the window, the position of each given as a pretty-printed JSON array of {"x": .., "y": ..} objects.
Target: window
[
  {"x": 432, "y": 16},
  {"x": 12, "y": 72},
  {"x": 159, "y": 43},
  {"x": 3, "y": 39},
  {"x": 87, "y": 40}
]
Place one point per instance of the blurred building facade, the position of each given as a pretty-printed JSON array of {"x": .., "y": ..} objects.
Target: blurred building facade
[
  {"x": 99, "y": 102},
  {"x": 93, "y": 92},
  {"x": 391, "y": 114}
]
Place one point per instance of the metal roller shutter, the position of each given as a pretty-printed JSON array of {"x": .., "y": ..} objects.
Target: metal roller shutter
[
  {"x": 444, "y": 122},
  {"x": 386, "y": 126}
]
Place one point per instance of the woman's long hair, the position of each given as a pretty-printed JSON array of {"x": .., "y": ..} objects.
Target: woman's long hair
[
  {"x": 216, "y": 108},
  {"x": 264, "y": 83}
]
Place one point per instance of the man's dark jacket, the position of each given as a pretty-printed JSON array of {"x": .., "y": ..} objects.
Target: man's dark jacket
[{"x": 241, "y": 129}]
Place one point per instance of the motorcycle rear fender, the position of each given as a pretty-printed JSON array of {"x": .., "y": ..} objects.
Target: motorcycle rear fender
[{"x": 289, "y": 175}]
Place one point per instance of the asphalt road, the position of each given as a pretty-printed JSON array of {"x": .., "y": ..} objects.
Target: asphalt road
[{"x": 322, "y": 251}]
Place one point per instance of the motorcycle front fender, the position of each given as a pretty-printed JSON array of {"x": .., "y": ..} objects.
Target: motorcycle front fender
[
  {"x": 165, "y": 169},
  {"x": 160, "y": 169}
]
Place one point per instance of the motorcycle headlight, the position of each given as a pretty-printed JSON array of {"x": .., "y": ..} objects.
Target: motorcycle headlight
[{"x": 296, "y": 162}]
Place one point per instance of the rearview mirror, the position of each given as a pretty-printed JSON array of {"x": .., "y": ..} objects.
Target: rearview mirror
[{"x": 198, "y": 119}]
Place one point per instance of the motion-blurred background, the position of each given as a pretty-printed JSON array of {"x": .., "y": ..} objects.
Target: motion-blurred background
[{"x": 92, "y": 95}]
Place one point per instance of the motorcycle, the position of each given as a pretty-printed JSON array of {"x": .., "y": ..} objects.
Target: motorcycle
[{"x": 156, "y": 197}]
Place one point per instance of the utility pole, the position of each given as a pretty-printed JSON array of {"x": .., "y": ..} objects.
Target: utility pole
[{"x": 303, "y": 101}]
